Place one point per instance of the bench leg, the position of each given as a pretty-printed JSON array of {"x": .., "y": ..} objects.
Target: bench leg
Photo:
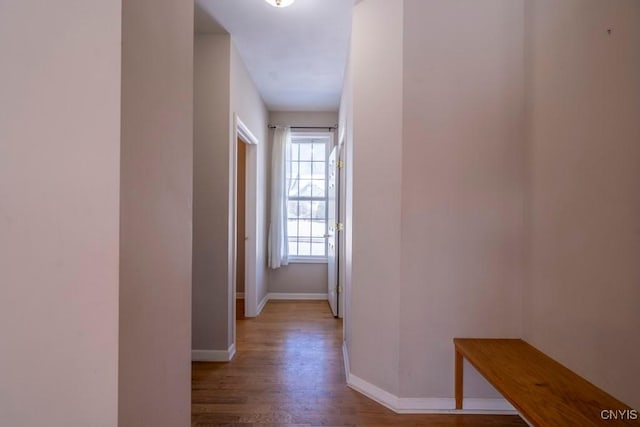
[{"x": 458, "y": 385}]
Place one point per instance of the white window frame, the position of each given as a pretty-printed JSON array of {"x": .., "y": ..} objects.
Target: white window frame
[{"x": 295, "y": 135}]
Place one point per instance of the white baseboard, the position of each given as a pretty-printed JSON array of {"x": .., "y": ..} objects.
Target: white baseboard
[
  {"x": 282, "y": 296},
  {"x": 278, "y": 296},
  {"x": 472, "y": 403},
  {"x": 412, "y": 405},
  {"x": 213, "y": 355},
  {"x": 239, "y": 295},
  {"x": 345, "y": 357},
  {"x": 262, "y": 304}
]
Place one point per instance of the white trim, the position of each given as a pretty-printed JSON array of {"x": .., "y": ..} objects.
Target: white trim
[
  {"x": 372, "y": 392},
  {"x": 308, "y": 260},
  {"x": 262, "y": 304},
  {"x": 447, "y": 405},
  {"x": 281, "y": 296},
  {"x": 315, "y": 135},
  {"x": 232, "y": 351},
  {"x": 487, "y": 404},
  {"x": 239, "y": 295},
  {"x": 311, "y": 134},
  {"x": 244, "y": 133},
  {"x": 411, "y": 405},
  {"x": 240, "y": 131},
  {"x": 345, "y": 357},
  {"x": 213, "y": 355}
]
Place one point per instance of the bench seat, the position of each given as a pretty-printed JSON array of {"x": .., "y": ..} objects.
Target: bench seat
[{"x": 546, "y": 393}]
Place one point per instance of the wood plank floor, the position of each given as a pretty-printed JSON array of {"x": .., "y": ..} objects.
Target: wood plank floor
[{"x": 288, "y": 370}]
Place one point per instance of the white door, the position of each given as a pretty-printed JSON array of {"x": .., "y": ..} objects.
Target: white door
[{"x": 331, "y": 233}]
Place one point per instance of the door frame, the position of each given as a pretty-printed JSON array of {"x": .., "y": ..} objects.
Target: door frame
[
  {"x": 341, "y": 246},
  {"x": 332, "y": 225},
  {"x": 242, "y": 132}
]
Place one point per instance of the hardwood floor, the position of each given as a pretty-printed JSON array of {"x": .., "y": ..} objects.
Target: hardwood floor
[{"x": 288, "y": 370}]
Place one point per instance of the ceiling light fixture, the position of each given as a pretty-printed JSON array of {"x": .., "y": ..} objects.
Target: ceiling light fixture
[{"x": 280, "y": 3}]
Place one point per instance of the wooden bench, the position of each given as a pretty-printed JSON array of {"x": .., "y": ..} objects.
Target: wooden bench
[{"x": 541, "y": 389}]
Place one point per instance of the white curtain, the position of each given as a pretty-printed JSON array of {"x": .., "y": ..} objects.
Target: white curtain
[{"x": 278, "y": 245}]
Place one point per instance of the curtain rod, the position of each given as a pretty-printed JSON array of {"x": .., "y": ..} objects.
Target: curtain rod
[{"x": 308, "y": 127}]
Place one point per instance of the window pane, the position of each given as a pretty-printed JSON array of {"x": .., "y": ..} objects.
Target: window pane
[
  {"x": 305, "y": 188},
  {"x": 305, "y": 170},
  {"x": 305, "y": 151},
  {"x": 318, "y": 248},
  {"x": 292, "y": 227},
  {"x": 318, "y": 228},
  {"x": 292, "y": 209},
  {"x": 304, "y": 228},
  {"x": 293, "y": 247},
  {"x": 304, "y": 211},
  {"x": 293, "y": 188},
  {"x": 319, "y": 210},
  {"x": 304, "y": 248},
  {"x": 294, "y": 152},
  {"x": 318, "y": 170},
  {"x": 318, "y": 188},
  {"x": 319, "y": 152},
  {"x": 293, "y": 170}
]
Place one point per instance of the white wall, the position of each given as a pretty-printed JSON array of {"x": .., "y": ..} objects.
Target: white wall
[
  {"x": 462, "y": 185},
  {"x": 156, "y": 214},
  {"x": 582, "y": 302},
  {"x": 434, "y": 119},
  {"x": 59, "y": 198},
  {"x": 211, "y": 191},
  {"x": 375, "y": 222},
  {"x": 298, "y": 277},
  {"x": 518, "y": 183}
]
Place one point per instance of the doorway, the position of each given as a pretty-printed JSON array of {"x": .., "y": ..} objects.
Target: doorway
[
  {"x": 243, "y": 227},
  {"x": 241, "y": 235}
]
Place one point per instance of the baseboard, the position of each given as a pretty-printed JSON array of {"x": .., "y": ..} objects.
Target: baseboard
[
  {"x": 487, "y": 404},
  {"x": 232, "y": 351},
  {"x": 410, "y": 405},
  {"x": 373, "y": 392},
  {"x": 345, "y": 357},
  {"x": 262, "y": 304},
  {"x": 213, "y": 355},
  {"x": 239, "y": 295},
  {"x": 285, "y": 296},
  {"x": 447, "y": 406},
  {"x": 278, "y": 296}
]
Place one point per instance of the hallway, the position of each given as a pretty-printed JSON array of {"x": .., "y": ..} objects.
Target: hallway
[{"x": 288, "y": 370}]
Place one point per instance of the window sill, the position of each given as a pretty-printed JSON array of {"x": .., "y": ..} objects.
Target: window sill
[{"x": 308, "y": 260}]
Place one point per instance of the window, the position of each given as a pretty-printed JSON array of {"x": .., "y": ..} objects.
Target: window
[{"x": 307, "y": 205}]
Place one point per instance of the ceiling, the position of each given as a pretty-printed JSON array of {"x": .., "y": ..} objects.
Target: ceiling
[{"x": 295, "y": 55}]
